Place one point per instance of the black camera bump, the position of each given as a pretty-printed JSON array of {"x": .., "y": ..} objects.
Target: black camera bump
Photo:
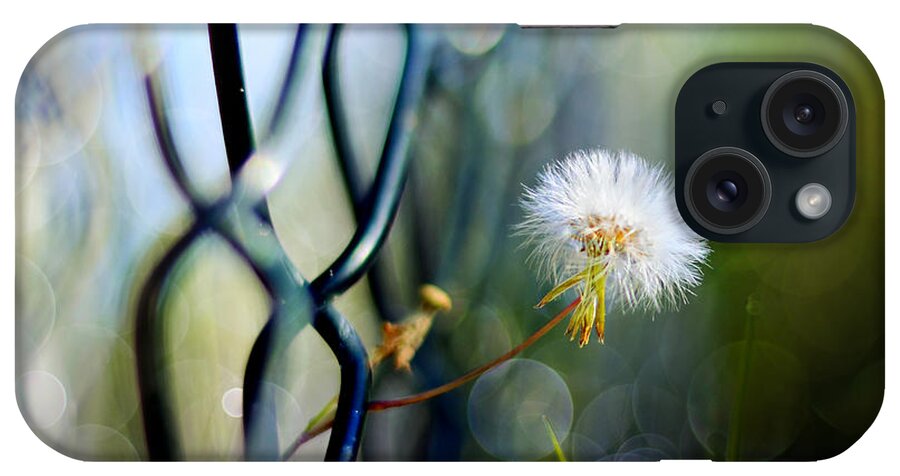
[{"x": 750, "y": 137}]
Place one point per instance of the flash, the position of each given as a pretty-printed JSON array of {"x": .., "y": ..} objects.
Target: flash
[{"x": 813, "y": 201}]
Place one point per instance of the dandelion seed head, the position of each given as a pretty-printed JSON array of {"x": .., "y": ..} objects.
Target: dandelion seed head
[{"x": 617, "y": 211}]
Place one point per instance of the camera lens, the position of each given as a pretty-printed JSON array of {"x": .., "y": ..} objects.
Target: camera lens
[
  {"x": 804, "y": 113},
  {"x": 727, "y": 190}
]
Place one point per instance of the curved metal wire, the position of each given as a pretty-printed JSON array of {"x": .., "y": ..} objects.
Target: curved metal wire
[
  {"x": 356, "y": 380},
  {"x": 288, "y": 85},
  {"x": 238, "y": 219},
  {"x": 166, "y": 143},
  {"x": 339, "y": 122},
  {"x": 381, "y": 207},
  {"x": 384, "y": 199},
  {"x": 231, "y": 94},
  {"x": 292, "y": 307},
  {"x": 353, "y": 263},
  {"x": 349, "y": 164},
  {"x": 162, "y": 442}
]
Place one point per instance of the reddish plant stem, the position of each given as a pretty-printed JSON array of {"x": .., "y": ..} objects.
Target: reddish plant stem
[{"x": 379, "y": 405}]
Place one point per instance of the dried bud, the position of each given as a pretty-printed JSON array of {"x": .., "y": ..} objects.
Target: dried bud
[
  {"x": 434, "y": 298},
  {"x": 404, "y": 339}
]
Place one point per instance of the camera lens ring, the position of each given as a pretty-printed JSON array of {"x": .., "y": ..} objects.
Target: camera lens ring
[
  {"x": 837, "y": 97},
  {"x": 752, "y": 170}
]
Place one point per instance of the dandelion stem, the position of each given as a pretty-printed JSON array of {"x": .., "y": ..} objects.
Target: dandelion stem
[
  {"x": 421, "y": 397},
  {"x": 379, "y": 405}
]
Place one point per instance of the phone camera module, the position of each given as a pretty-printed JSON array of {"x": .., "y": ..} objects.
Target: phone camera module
[{"x": 776, "y": 164}]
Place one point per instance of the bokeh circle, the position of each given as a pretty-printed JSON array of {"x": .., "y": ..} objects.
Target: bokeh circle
[{"x": 508, "y": 406}]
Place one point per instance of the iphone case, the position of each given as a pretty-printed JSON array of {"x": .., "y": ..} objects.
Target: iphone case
[{"x": 353, "y": 242}]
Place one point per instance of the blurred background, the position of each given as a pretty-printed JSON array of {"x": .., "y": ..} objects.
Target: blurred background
[{"x": 779, "y": 355}]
